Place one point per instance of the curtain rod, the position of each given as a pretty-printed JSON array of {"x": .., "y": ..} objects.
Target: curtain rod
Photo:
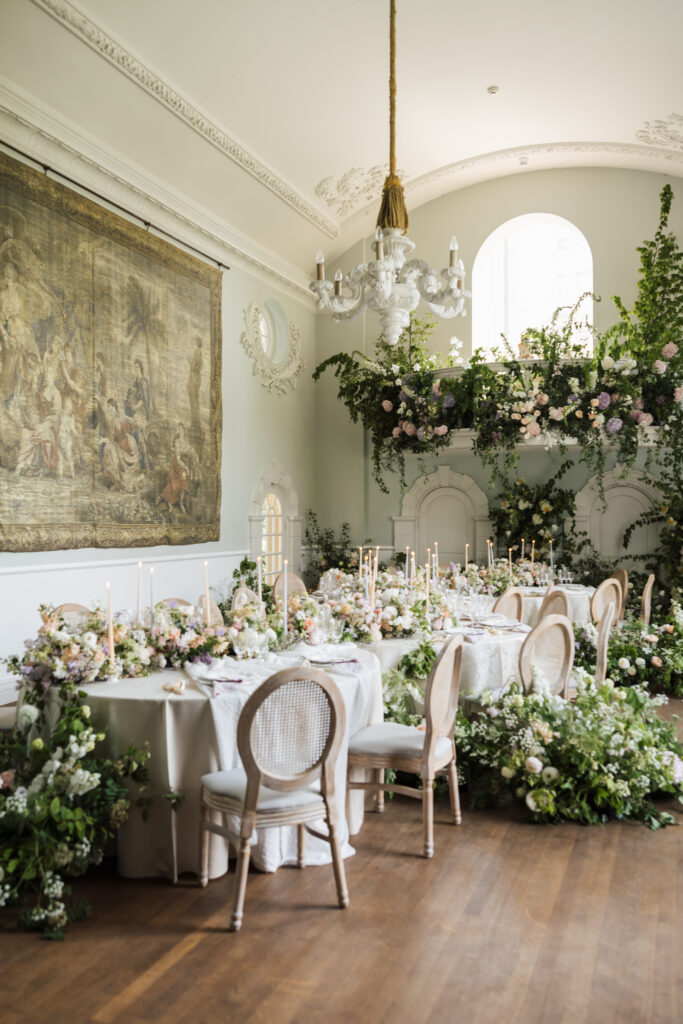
[{"x": 110, "y": 202}]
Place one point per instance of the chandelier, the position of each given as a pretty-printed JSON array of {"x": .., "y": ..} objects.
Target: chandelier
[{"x": 388, "y": 284}]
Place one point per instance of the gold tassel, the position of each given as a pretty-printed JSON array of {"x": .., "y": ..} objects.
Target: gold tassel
[{"x": 392, "y": 211}]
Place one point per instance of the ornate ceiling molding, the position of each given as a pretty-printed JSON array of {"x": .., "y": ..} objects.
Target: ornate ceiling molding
[
  {"x": 85, "y": 29},
  {"x": 668, "y": 132},
  {"x": 50, "y": 139},
  {"x": 355, "y": 187},
  {"x": 518, "y": 153}
]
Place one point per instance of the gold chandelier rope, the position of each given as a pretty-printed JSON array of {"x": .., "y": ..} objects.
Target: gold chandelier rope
[{"x": 392, "y": 211}]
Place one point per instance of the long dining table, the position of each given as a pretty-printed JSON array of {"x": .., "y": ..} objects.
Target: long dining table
[{"x": 193, "y": 732}]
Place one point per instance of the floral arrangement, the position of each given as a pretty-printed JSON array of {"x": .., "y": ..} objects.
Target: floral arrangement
[
  {"x": 72, "y": 653},
  {"x": 650, "y": 656},
  {"x": 400, "y": 607},
  {"x": 303, "y": 618},
  {"x": 531, "y": 513},
  {"x": 491, "y": 579},
  {"x": 59, "y": 805},
  {"x": 601, "y": 756},
  {"x": 178, "y": 636}
]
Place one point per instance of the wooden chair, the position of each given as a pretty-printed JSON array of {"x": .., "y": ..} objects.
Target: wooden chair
[
  {"x": 511, "y": 603},
  {"x": 168, "y": 603},
  {"x": 646, "y": 600},
  {"x": 621, "y": 576},
  {"x": 243, "y": 595},
  {"x": 289, "y": 735},
  {"x": 215, "y": 614},
  {"x": 609, "y": 592},
  {"x": 549, "y": 649},
  {"x": 608, "y": 620},
  {"x": 406, "y": 748},
  {"x": 554, "y": 603},
  {"x": 295, "y": 585},
  {"x": 73, "y": 613}
]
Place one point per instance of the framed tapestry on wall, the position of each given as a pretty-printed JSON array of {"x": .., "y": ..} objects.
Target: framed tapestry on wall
[{"x": 110, "y": 377}]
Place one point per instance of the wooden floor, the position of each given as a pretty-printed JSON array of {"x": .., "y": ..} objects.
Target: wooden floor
[{"x": 508, "y": 923}]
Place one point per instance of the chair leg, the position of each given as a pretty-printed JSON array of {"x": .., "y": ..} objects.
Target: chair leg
[
  {"x": 337, "y": 859},
  {"x": 454, "y": 791},
  {"x": 379, "y": 793},
  {"x": 300, "y": 846},
  {"x": 428, "y": 816},
  {"x": 243, "y": 858},
  {"x": 203, "y": 848}
]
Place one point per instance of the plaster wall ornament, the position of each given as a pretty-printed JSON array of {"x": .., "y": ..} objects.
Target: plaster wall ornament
[
  {"x": 668, "y": 132},
  {"x": 106, "y": 46},
  {"x": 355, "y": 187},
  {"x": 279, "y": 372}
]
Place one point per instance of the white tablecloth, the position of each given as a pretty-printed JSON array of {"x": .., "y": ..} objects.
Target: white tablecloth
[
  {"x": 182, "y": 736},
  {"x": 488, "y": 664},
  {"x": 579, "y": 603}
]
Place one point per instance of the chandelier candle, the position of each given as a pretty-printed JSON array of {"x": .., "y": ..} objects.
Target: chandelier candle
[
  {"x": 320, "y": 266},
  {"x": 110, "y": 628}
]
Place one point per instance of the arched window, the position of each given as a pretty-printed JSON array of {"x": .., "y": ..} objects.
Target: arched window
[
  {"x": 272, "y": 545},
  {"x": 525, "y": 270}
]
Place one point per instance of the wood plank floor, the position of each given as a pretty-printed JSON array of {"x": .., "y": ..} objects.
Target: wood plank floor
[{"x": 508, "y": 923}]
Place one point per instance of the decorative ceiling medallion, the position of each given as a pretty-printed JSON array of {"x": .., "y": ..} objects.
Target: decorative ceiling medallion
[
  {"x": 276, "y": 353},
  {"x": 355, "y": 188},
  {"x": 668, "y": 132}
]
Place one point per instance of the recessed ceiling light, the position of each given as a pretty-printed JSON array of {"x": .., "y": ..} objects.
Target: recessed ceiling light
[{"x": 492, "y": 90}]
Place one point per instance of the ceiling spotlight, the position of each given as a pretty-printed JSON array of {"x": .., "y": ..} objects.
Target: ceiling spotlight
[
  {"x": 492, "y": 90},
  {"x": 523, "y": 161}
]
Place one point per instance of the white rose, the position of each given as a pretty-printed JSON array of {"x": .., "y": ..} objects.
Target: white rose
[
  {"x": 530, "y": 802},
  {"x": 632, "y": 671},
  {"x": 533, "y": 766},
  {"x": 85, "y": 711},
  {"x": 624, "y": 663},
  {"x": 395, "y": 370},
  {"x": 550, "y": 774},
  {"x": 607, "y": 363},
  {"x": 640, "y": 662},
  {"x": 507, "y": 773}
]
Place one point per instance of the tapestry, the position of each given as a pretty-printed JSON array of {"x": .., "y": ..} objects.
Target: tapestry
[{"x": 110, "y": 377}]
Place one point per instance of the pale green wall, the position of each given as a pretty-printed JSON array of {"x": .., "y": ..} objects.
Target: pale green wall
[{"x": 615, "y": 209}]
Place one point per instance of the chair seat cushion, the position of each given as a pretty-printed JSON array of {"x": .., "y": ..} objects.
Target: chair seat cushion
[
  {"x": 233, "y": 784},
  {"x": 389, "y": 739}
]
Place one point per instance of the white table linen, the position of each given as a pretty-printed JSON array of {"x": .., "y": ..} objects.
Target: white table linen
[
  {"x": 579, "y": 598},
  {"x": 191, "y": 734}
]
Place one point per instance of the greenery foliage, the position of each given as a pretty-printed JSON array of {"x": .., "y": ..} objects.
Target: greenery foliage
[
  {"x": 525, "y": 513},
  {"x": 326, "y": 550}
]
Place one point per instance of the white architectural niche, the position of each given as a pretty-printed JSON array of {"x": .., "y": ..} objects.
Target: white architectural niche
[
  {"x": 626, "y": 499},
  {"x": 273, "y": 345},
  {"x": 276, "y": 480},
  {"x": 446, "y": 507}
]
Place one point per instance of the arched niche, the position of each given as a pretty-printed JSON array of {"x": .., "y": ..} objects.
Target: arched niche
[
  {"x": 277, "y": 480},
  {"x": 446, "y": 507},
  {"x": 626, "y": 499}
]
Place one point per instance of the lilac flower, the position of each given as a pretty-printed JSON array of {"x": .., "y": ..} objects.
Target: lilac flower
[
  {"x": 573, "y": 398},
  {"x": 604, "y": 400},
  {"x": 614, "y": 425},
  {"x": 403, "y": 396},
  {"x": 421, "y": 434},
  {"x": 449, "y": 400}
]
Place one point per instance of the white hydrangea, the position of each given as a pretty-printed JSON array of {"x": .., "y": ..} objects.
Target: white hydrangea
[
  {"x": 82, "y": 781},
  {"x": 27, "y": 715}
]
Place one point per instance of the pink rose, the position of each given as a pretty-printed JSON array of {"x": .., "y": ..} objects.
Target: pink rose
[
  {"x": 542, "y": 399},
  {"x": 660, "y": 366},
  {"x": 556, "y": 414},
  {"x": 670, "y": 350},
  {"x": 7, "y": 779},
  {"x": 579, "y": 414},
  {"x": 396, "y": 432},
  {"x": 409, "y": 428},
  {"x": 441, "y": 430},
  {"x": 645, "y": 419},
  {"x": 533, "y": 429},
  {"x": 387, "y": 405},
  {"x": 678, "y": 394},
  {"x": 657, "y": 661}
]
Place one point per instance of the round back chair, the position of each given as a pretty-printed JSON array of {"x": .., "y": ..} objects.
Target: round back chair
[
  {"x": 609, "y": 592},
  {"x": 549, "y": 650},
  {"x": 511, "y": 603},
  {"x": 646, "y": 600},
  {"x": 295, "y": 585},
  {"x": 554, "y": 603},
  {"x": 621, "y": 576},
  {"x": 608, "y": 620},
  {"x": 243, "y": 595},
  {"x": 215, "y": 614},
  {"x": 169, "y": 603},
  {"x": 73, "y": 614},
  {"x": 441, "y": 696}
]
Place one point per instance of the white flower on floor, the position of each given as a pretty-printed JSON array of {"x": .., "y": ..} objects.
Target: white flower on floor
[{"x": 530, "y": 801}]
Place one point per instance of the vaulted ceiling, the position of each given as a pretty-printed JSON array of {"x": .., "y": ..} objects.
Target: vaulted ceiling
[{"x": 272, "y": 114}]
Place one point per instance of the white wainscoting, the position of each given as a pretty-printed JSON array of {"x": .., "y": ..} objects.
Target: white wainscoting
[{"x": 23, "y": 588}]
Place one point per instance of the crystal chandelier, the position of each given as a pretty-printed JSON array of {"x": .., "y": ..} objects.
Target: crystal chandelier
[{"x": 388, "y": 284}]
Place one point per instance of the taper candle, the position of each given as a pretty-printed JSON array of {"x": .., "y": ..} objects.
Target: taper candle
[
  {"x": 552, "y": 563},
  {"x": 259, "y": 570},
  {"x": 406, "y": 565},
  {"x": 360, "y": 564},
  {"x": 467, "y": 556},
  {"x": 207, "y": 606},
  {"x": 284, "y": 603},
  {"x": 138, "y": 617},
  {"x": 510, "y": 562},
  {"x": 151, "y": 594},
  {"x": 427, "y": 568},
  {"x": 110, "y": 628},
  {"x": 533, "y": 552},
  {"x": 436, "y": 559},
  {"x": 522, "y": 547}
]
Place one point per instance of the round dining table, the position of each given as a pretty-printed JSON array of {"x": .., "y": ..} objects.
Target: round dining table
[{"x": 194, "y": 732}]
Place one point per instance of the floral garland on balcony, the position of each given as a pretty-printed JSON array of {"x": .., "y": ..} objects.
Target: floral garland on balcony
[{"x": 633, "y": 381}]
